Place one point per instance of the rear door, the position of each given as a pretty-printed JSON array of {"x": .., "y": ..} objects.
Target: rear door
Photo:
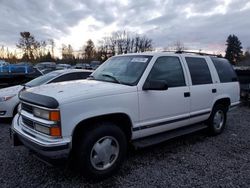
[{"x": 202, "y": 89}]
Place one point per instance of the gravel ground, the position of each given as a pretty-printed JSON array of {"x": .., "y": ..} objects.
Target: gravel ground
[{"x": 195, "y": 160}]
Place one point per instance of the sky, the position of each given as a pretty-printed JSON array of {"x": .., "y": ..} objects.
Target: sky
[{"x": 198, "y": 24}]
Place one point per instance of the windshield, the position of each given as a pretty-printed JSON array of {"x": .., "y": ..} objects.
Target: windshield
[
  {"x": 42, "y": 79},
  {"x": 122, "y": 69}
]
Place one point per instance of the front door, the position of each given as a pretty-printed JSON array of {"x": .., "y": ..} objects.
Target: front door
[{"x": 166, "y": 109}]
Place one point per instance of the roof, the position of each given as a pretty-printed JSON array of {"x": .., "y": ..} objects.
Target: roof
[
  {"x": 162, "y": 53},
  {"x": 241, "y": 67},
  {"x": 41, "y": 63}
]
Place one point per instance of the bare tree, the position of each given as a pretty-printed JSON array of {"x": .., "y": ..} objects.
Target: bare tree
[
  {"x": 89, "y": 50},
  {"x": 137, "y": 44},
  {"x": 2, "y": 52},
  {"x": 42, "y": 51},
  {"x": 103, "y": 52},
  {"x": 179, "y": 46},
  {"x": 52, "y": 45},
  {"x": 112, "y": 44},
  {"x": 67, "y": 52},
  {"x": 28, "y": 44},
  {"x": 247, "y": 52},
  {"x": 145, "y": 44},
  {"x": 122, "y": 42}
]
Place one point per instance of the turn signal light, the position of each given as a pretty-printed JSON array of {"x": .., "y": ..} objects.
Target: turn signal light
[
  {"x": 55, "y": 131},
  {"x": 54, "y": 116}
]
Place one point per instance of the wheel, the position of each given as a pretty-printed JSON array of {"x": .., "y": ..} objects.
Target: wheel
[
  {"x": 101, "y": 151},
  {"x": 217, "y": 120}
]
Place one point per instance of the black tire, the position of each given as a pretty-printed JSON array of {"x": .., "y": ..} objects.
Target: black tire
[
  {"x": 85, "y": 149},
  {"x": 214, "y": 127}
]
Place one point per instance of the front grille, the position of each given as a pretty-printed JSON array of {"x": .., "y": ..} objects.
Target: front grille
[
  {"x": 29, "y": 123},
  {"x": 27, "y": 108}
]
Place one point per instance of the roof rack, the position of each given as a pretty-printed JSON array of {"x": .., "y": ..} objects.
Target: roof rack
[{"x": 192, "y": 52}]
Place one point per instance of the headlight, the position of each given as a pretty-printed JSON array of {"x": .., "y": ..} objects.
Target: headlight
[
  {"x": 42, "y": 129},
  {"x": 46, "y": 114},
  {"x": 41, "y": 113},
  {"x": 5, "y": 98}
]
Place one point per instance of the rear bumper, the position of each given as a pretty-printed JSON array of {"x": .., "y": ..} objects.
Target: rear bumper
[{"x": 48, "y": 151}]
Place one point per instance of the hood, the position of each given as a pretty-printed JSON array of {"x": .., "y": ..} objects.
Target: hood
[
  {"x": 80, "y": 90},
  {"x": 14, "y": 90}
]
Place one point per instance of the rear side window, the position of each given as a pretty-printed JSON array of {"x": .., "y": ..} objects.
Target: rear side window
[
  {"x": 168, "y": 69},
  {"x": 199, "y": 70},
  {"x": 224, "y": 70}
]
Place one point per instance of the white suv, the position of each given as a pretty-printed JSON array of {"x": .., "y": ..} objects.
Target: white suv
[{"x": 140, "y": 99}]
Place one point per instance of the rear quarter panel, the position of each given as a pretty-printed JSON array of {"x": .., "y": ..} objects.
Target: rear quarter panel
[{"x": 229, "y": 90}]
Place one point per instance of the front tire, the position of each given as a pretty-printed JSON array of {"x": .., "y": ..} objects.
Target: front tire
[
  {"x": 101, "y": 151},
  {"x": 217, "y": 120}
]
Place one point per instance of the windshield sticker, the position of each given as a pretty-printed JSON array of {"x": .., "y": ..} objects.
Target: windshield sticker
[{"x": 139, "y": 59}]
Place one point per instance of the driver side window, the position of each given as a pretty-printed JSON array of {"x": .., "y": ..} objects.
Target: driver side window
[{"x": 169, "y": 69}]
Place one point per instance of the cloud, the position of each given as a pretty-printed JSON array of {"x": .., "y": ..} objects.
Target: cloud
[{"x": 198, "y": 24}]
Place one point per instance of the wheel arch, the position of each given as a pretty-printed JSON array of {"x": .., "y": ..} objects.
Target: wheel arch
[
  {"x": 15, "y": 109},
  {"x": 122, "y": 120},
  {"x": 225, "y": 101}
]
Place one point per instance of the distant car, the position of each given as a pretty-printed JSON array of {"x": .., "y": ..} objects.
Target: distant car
[
  {"x": 22, "y": 67},
  {"x": 18, "y": 76},
  {"x": 243, "y": 74},
  {"x": 46, "y": 71},
  {"x": 62, "y": 66},
  {"x": 95, "y": 64},
  {"x": 9, "y": 96},
  {"x": 2, "y": 63},
  {"x": 46, "y": 65},
  {"x": 24, "y": 63},
  {"x": 82, "y": 66}
]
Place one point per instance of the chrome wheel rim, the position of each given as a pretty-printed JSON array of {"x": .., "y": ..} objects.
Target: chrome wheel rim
[
  {"x": 104, "y": 153},
  {"x": 218, "y": 119}
]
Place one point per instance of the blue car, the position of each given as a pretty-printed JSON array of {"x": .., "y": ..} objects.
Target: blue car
[{"x": 16, "y": 68}]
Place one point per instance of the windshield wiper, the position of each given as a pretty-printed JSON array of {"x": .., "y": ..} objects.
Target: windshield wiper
[
  {"x": 91, "y": 77},
  {"x": 113, "y": 77},
  {"x": 24, "y": 86}
]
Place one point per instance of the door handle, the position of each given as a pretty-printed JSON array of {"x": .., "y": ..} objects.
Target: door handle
[
  {"x": 187, "y": 94},
  {"x": 214, "y": 90}
]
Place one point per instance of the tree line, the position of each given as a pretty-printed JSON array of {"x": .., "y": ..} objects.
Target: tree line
[
  {"x": 120, "y": 42},
  {"x": 31, "y": 50}
]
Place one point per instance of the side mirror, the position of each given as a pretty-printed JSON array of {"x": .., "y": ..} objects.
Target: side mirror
[{"x": 155, "y": 85}]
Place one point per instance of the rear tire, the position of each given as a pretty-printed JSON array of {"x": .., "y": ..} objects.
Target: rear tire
[
  {"x": 101, "y": 151},
  {"x": 217, "y": 120}
]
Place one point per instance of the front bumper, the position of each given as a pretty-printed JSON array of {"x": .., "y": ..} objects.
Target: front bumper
[{"x": 46, "y": 149}]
